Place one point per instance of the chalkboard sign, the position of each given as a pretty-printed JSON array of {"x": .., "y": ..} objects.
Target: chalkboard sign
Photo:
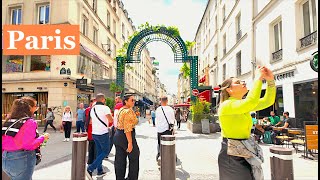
[{"x": 81, "y": 83}]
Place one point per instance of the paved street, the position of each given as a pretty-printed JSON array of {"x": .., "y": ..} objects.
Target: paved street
[{"x": 197, "y": 153}]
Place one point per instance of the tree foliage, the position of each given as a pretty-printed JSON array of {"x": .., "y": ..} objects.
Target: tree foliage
[{"x": 185, "y": 70}]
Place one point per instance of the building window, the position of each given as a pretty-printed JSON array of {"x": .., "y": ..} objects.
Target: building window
[
  {"x": 40, "y": 63},
  {"x": 123, "y": 31},
  {"x": 94, "y": 5},
  {"x": 216, "y": 23},
  {"x": 95, "y": 35},
  {"x": 224, "y": 14},
  {"x": 84, "y": 25},
  {"x": 309, "y": 23},
  {"x": 114, "y": 50},
  {"x": 224, "y": 71},
  {"x": 238, "y": 64},
  {"x": 44, "y": 14},
  {"x": 277, "y": 34},
  {"x": 108, "y": 20},
  {"x": 224, "y": 44},
  {"x": 16, "y": 16},
  {"x": 238, "y": 27},
  {"x": 306, "y": 101},
  {"x": 14, "y": 64},
  {"x": 114, "y": 28}
]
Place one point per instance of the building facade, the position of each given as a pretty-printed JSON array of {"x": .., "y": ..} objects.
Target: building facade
[
  {"x": 104, "y": 27},
  {"x": 285, "y": 41},
  {"x": 235, "y": 36}
]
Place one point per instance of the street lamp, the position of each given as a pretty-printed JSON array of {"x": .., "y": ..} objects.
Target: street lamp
[{"x": 109, "y": 50}]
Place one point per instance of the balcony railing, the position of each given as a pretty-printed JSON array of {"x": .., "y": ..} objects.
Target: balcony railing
[
  {"x": 123, "y": 37},
  {"x": 215, "y": 59},
  {"x": 224, "y": 51},
  {"x": 309, "y": 39},
  {"x": 224, "y": 19},
  {"x": 239, "y": 35},
  {"x": 276, "y": 56}
]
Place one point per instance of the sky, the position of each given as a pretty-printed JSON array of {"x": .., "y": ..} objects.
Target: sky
[{"x": 184, "y": 14}]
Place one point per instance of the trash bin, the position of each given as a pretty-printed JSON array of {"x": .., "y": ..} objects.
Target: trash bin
[
  {"x": 281, "y": 163},
  {"x": 205, "y": 126}
]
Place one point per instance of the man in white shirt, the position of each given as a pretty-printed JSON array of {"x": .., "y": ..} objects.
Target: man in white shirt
[
  {"x": 101, "y": 116},
  {"x": 164, "y": 117}
]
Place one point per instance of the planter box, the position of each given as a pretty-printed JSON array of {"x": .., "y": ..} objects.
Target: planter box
[{"x": 197, "y": 127}]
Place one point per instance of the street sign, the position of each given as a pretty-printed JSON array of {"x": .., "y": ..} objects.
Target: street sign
[
  {"x": 195, "y": 92},
  {"x": 314, "y": 62}
]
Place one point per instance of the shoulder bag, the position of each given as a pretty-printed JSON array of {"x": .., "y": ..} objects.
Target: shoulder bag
[
  {"x": 171, "y": 126},
  {"x": 94, "y": 109}
]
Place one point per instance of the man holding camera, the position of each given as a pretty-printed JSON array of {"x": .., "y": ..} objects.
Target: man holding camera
[{"x": 165, "y": 121}]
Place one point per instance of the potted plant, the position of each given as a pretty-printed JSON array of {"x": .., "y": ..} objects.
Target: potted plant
[{"x": 200, "y": 112}]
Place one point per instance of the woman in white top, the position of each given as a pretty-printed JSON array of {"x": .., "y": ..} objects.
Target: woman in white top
[{"x": 67, "y": 117}]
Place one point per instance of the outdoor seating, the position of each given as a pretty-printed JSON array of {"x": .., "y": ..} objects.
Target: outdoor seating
[{"x": 311, "y": 138}]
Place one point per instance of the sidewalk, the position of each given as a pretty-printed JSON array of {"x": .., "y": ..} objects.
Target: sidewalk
[{"x": 197, "y": 157}]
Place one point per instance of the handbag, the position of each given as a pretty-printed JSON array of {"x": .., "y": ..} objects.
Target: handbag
[
  {"x": 38, "y": 155},
  {"x": 237, "y": 148},
  {"x": 171, "y": 126}
]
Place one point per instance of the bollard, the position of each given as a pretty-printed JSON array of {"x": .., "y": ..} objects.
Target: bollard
[
  {"x": 281, "y": 163},
  {"x": 5, "y": 176},
  {"x": 168, "y": 157},
  {"x": 79, "y": 152}
]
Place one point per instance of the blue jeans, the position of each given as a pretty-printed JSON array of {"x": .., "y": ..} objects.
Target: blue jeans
[
  {"x": 80, "y": 124},
  {"x": 19, "y": 165},
  {"x": 102, "y": 147}
]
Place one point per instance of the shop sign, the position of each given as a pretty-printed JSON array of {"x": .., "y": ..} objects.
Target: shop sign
[
  {"x": 81, "y": 83},
  {"x": 63, "y": 71},
  {"x": 284, "y": 75},
  {"x": 314, "y": 62}
]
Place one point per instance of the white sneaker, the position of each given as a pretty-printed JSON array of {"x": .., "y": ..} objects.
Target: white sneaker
[
  {"x": 68, "y": 139},
  {"x": 65, "y": 139}
]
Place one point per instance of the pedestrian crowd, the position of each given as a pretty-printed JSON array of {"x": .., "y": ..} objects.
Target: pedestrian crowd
[{"x": 106, "y": 129}]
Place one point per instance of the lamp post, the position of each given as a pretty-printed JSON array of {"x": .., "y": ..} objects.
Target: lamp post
[{"x": 108, "y": 50}]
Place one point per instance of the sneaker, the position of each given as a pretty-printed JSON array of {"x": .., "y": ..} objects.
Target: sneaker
[
  {"x": 65, "y": 139},
  {"x": 101, "y": 174},
  {"x": 157, "y": 158},
  {"x": 68, "y": 139},
  {"x": 106, "y": 157},
  {"x": 89, "y": 174}
]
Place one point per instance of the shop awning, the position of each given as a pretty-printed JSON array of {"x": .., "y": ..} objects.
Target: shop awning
[
  {"x": 89, "y": 52},
  {"x": 203, "y": 79},
  {"x": 205, "y": 95},
  {"x": 183, "y": 105},
  {"x": 141, "y": 103},
  {"x": 147, "y": 100}
]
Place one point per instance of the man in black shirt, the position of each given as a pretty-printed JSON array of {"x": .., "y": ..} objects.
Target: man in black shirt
[{"x": 288, "y": 122}]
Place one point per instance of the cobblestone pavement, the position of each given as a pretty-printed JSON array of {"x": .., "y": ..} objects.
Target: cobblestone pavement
[{"x": 197, "y": 157}]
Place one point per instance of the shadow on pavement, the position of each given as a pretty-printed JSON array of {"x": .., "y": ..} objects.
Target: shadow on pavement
[{"x": 51, "y": 163}]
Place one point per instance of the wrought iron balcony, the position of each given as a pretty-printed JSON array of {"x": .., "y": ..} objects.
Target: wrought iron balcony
[
  {"x": 309, "y": 39},
  {"x": 276, "y": 56},
  {"x": 224, "y": 51},
  {"x": 239, "y": 35}
]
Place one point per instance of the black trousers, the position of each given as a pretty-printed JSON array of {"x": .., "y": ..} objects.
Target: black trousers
[
  {"x": 233, "y": 167},
  {"x": 179, "y": 124},
  {"x": 120, "y": 162},
  {"x": 167, "y": 132},
  {"x": 67, "y": 129},
  {"x": 49, "y": 122},
  {"x": 92, "y": 152}
]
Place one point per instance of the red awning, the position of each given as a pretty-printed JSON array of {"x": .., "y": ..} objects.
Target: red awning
[
  {"x": 203, "y": 79},
  {"x": 182, "y": 105},
  {"x": 205, "y": 95}
]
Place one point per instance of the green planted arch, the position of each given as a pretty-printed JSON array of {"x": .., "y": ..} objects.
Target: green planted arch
[{"x": 169, "y": 35}]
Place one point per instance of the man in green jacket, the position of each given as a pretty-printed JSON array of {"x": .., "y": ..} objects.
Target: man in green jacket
[{"x": 274, "y": 120}]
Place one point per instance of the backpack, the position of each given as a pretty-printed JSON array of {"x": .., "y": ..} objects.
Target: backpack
[{"x": 267, "y": 138}]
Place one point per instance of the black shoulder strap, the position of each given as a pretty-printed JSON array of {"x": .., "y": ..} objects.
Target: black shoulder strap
[
  {"x": 94, "y": 109},
  {"x": 165, "y": 116}
]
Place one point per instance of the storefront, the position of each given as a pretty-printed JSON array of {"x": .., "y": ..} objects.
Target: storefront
[{"x": 40, "y": 97}]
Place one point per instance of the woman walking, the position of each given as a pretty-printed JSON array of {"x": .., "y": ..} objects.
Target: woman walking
[
  {"x": 20, "y": 139},
  {"x": 67, "y": 122},
  {"x": 125, "y": 141},
  {"x": 49, "y": 120},
  {"x": 178, "y": 117},
  {"x": 236, "y": 122}
]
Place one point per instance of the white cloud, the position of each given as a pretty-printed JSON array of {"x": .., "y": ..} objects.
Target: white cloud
[{"x": 184, "y": 14}]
